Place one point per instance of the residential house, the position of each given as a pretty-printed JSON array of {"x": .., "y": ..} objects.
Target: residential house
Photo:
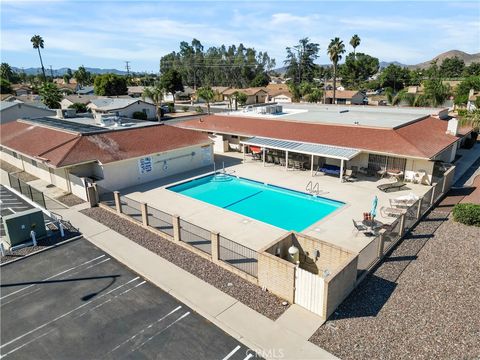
[
  {"x": 219, "y": 92},
  {"x": 85, "y": 90},
  {"x": 21, "y": 89},
  {"x": 135, "y": 91},
  {"x": 257, "y": 95},
  {"x": 280, "y": 96},
  {"x": 347, "y": 97},
  {"x": 73, "y": 156},
  {"x": 11, "y": 111},
  {"x": 69, "y": 100},
  {"x": 124, "y": 107}
]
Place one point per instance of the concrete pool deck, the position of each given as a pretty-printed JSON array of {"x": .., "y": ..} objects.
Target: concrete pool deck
[{"x": 336, "y": 228}]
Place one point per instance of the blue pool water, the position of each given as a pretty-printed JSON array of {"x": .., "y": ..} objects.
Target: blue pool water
[{"x": 286, "y": 209}]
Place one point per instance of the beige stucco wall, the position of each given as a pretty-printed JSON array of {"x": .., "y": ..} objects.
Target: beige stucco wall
[
  {"x": 7, "y": 155},
  {"x": 277, "y": 275},
  {"x": 22, "y": 111},
  {"x": 414, "y": 165},
  {"x": 129, "y": 110},
  {"x": 121, "y": 174}
]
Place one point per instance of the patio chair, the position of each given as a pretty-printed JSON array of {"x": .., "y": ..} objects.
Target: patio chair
[
  {"x": 391, "y": 211},
  {"x": 276, "y": 160},
  {"x": 398, "y": 185},
  {"x": 282, "y": 161},
  {"x": 348, "y": 176},
  {"x": 269, "y": 158},
  {"x": 359, "y": 226}
]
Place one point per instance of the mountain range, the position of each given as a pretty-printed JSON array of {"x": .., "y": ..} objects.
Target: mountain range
[{"x": 63, "y": 71}]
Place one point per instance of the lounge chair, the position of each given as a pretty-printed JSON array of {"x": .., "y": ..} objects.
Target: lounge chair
[
  {"x": 398, "y": 185},
  {"x": 404, "y": 201},
  {"x": 348, "y": 176},
  {"x": 391, "y": 212},
  {"x": 359, "y": 226}
]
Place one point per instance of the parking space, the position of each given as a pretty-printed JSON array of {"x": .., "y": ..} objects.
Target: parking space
[{"x": 76, "y": 302}]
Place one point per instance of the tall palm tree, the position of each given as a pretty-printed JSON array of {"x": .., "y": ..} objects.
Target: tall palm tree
[
  {"x": 354, "y": 42},
  {"x": 335, "y": 51},
  {"x": 155, "y": 93},
  {"x": 37, "y": 43}
]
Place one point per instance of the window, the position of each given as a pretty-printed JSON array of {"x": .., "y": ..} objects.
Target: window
[
  {"x": 234, "y": 137},
  {"x": 382, "y": 162},
  {"x": 34, "y": 163},
  {"x": 15, "y": 155}
]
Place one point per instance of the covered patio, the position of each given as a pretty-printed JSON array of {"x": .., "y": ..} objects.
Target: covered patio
[{"x": 299, "y": 155}]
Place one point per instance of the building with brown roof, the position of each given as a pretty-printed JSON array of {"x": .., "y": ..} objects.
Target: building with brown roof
[
  {"x": 347, "y": 97},
  {"x": 73, "y": 156},
  {"x": 255, "y": 95}
]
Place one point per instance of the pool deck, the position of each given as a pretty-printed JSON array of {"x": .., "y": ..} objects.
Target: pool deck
[{"x": 336, "y": 228}]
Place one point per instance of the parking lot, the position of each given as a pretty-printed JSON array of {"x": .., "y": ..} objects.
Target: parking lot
[{"x": 76, "y": 302}]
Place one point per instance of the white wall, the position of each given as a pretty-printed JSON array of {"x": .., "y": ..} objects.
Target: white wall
[
  {"x": 447, "y": 155},
  {"x": 122, "y": 174},
  {"x": 20, "y": 111},
  {"x": 77, "y": 186},
  {"x": 416, "y": 165},
  {"x": 281, "y": 99},
  {"x": 65, "y": 103},
  {"x": 137, "y": 106}
]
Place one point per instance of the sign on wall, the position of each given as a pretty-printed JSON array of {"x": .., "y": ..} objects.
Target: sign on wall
[{"x": 145, "y": 165}]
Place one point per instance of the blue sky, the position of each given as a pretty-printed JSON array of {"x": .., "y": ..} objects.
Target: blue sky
[{"x": 106, "y": 33}]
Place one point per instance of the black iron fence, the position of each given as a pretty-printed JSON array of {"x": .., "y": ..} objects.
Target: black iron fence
[
  {"x": 27, "y": 190},
  {"x": 238, "y": 256}
]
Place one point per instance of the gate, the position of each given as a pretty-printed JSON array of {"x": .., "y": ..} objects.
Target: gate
[{"x": 309, "y": 291}]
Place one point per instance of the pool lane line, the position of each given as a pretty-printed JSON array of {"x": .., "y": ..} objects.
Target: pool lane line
[
  {"x": 65, "y": 314},
  {"x": 51, "y": 277},
  {"x": 243, "y": 199}
]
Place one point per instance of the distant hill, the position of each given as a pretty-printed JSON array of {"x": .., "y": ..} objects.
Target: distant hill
[
  {"x": 384, "y": 64},
  {"x": 467, "y": 58},
  {"x": 62, "y": 71}
]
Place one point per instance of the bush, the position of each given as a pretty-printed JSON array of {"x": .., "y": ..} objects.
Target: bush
[
  {"x": 185, "y": 108},
  {"x": 81, "y": 108},
  {"x": 468, "y": 214},
  {"x": 199, "y": 109},
  {"x": 171, "y": 107},
  {"x": 139, "y": 115}
]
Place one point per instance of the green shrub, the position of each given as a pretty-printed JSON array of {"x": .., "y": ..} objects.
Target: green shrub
[
  {"x": 199, "y": 109},
  {"x": 468, "y": 214},
  {"x": 81, "y": 108},
  {"x": 171, "y": 107},
  {"x": 139, "y": 115},
  {"x": 185, "y": 108}
]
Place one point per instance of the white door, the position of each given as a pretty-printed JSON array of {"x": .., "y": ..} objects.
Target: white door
[{"x": 309, "y": 290}]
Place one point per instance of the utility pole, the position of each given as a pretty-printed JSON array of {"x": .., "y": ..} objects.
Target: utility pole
[
  {"x": 127, "y": 67},
  {"x": 51, "y": 72}
]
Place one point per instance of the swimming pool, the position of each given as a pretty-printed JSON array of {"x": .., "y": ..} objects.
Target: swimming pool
[{"x": 284, "y": 208}]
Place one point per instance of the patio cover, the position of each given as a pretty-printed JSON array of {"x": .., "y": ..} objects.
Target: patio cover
[{"x": 328, "y": 151}]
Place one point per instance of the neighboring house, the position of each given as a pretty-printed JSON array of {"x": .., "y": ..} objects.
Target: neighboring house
[
  {"x": 73, "y": 157},
  {"x": 67, "y": 89},
  {"x": 276, "y": 80},
  {"x": 34, "y": 100},
  {"x": 412, "y": 146},
  {"x": 347, "y": 97},
  {"x": 135, "y": 91},
  {"x": 86, "y": 90},
  {"x": 69, "y": 100},
  {"x": 20, "y": 89},
  {"x": 186, "y": 94},
  {"x": 11, "y": 111},
  {"x": 280, "y": 96},
  {"x": 219, "y": 91},
  {"x": 256, "y": 95},
  {"x": 124, "y": 107}
]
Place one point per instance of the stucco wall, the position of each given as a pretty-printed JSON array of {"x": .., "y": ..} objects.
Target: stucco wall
[
  {"x": 277, "y": 275},
  {"x": 20, "y": 111},
  {"x": 414, "y": 165},
  {"x": 122, "y": 174},
  {"x": 129, "y": 110}
]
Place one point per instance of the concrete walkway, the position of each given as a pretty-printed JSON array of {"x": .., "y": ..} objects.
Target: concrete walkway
[
  {"x": 465, "y": 163},
  {"x": 286, "y": 338}
]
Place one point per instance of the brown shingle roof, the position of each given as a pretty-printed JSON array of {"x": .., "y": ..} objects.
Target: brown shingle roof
[
  {"x": 345, "y": 94},
  {"x": 60, "y": 148},
  {"x": 422, "y": 139},
  {"x": 247, "y": 91}
]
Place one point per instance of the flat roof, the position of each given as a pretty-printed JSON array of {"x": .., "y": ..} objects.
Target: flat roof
[{"x": 382, "y": 117}]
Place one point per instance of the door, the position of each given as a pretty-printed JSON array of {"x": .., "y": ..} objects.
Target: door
[{"x": 309, "y": 291}]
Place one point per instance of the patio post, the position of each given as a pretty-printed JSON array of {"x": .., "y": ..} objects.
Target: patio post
[
  {"x": 263, "y": 155},
  {"x": 341, "y": 170},
  {"x": 244, "y": 148},
  {"x": 286, "y": 160},
  {"x": 311, "y": 166}
]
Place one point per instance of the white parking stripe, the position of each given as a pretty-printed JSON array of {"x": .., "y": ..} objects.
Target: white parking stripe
[
  {"x": 230, "y": 354},
  {"x": 65, "y": 314},
  {"x": 25, "y": 344},
  {"x": 51, "y": 277},
  {"x": 18, "y": 297},
  {"x": 161, "y": 331},
  {"x": 248, "y": 356},
  {"x": 144, "y": 329}
]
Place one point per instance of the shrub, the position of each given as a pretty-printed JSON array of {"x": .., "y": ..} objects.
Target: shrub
[
  {"x": 139, "y": 115},
  {"x": 81, "y": 108},
  {"x": 185, "y": 108},
  {"x": 171, "y": 107},
  {"x": 468, "y": 214},
  {"x": 199, "y": 109}
]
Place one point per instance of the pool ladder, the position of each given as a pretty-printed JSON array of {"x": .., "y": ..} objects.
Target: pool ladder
[{"x": 314, "y": 189}]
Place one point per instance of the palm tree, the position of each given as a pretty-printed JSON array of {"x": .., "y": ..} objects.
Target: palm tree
[
  {"x": 37, "y": 42},
  {"x": 156, "y": 94},
  {"x": 354, "y": 42},
  {"x": 470, "y": 118},
  {"x": 335, "y": 51},
  {"x": 207, "y": 94}
]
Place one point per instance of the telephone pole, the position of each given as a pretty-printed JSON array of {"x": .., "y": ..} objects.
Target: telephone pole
[
  {"x": 51, "y": 72},
  {"x": 127, "y": 67}
]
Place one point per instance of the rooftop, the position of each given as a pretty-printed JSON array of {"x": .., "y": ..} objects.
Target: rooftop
[{"x": 107, "y": 104}]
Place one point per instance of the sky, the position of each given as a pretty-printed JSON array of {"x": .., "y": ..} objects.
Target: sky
[{"x": 105, "y": 34}]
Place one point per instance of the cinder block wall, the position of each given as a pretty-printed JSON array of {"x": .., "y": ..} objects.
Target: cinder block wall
[{"x": 277, "y": 275}]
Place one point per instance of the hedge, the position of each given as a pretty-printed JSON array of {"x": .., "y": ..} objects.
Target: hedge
[{"x": 468, "y": 214}]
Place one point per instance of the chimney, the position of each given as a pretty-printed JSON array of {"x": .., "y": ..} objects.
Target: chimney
[
  {"x": 452, "y": 127},
  {"x": 59, "y": 113}
]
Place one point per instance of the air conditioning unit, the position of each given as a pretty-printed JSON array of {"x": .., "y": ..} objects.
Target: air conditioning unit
[{"x": 19, "y": 225}]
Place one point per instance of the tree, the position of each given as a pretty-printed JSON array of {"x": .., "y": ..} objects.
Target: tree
[
  {"x": 300, "y": 61},
  {"x": 82, "y": 76},
  {"x": 7, "y": 73},
  {"x": 463, "y": 89},
  {"x": 38, "y": 44},
  {"x": 358, "y": 69},
  {"x": 79, "y": 107},
  {"x": 395, "y": 77},
  {"x": 335, "y": 50},
  {"x": 110, "y": 85},
  {"x": 5, "y": 86},
  {"x": 155, "y": 93},
  {"x": 50, "y": 95},
  {"x": 354, "y": 42},
  {"x": 472, "y": 70},
  {"x": 314, "y": 96},
  {"x": 470, "y": 118},
  {"x": 171, "y": 81},
  {"x": 435, "y": 91},
  {"x": 260, "y": 80},
  {"x": 207, "y": 94},
  {"x": 452, "y": 67}
]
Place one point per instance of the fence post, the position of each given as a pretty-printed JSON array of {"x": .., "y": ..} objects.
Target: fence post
[
  {"x": 118, "y": 203},
  {"x": 215, "y": 239},
  {"x": 432, "y": 200},
  {"x": 381, "y": 244},
  {"x": 419, "y": 210},
  {"x": 444, "y": 184},
  {"x": 144, "y": 208},
  {"x": 402, "y": 224},
  {"x": 176, "y": 227}
]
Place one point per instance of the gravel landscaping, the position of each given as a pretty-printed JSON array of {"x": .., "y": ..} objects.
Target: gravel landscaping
[
  {"x": 421, "y": 302},
  {"x": 70, "y": 200},
  {"x": 22, "y": 175},
  {"x": 244, "y": 291}
]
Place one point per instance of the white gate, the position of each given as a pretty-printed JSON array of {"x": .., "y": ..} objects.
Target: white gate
[{"x": 309, "y": 290}]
